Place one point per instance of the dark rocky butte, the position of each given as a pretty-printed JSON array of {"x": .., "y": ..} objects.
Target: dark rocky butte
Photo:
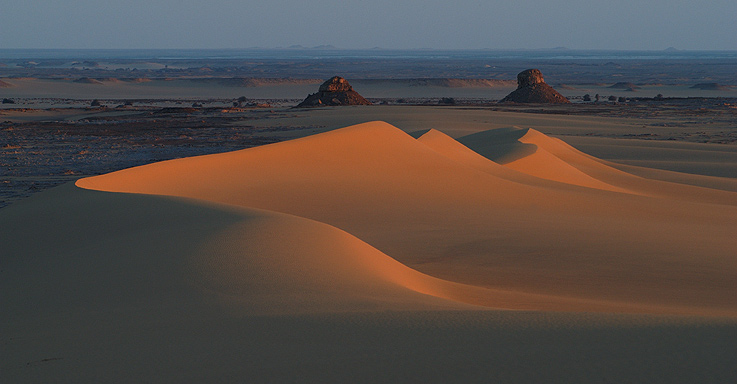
[
  {"x": 531, "y": 88},
  {"x": 335, "y": 91}
]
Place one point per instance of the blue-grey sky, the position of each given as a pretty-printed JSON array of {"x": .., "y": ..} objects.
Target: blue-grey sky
[{"x": 442, "y": 24}]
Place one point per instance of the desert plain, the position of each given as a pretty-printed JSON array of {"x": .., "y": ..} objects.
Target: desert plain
[{"x": 187, "y": 238}]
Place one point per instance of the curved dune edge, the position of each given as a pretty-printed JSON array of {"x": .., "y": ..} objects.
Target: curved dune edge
[
  {"x": 527, "y": 151},
  {"x": 278, "y": 263},
  {"x": 324, "y": 269},
  {"x": 345, "y": 177},
  {"x": 531, "y": 152},
  {"x": 558, "y": 161},
  {"x": 545, "y": 169}
]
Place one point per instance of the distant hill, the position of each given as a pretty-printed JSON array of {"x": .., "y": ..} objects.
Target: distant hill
[
  {"x": 443, "y": 82},
  {"x": 625, "y": 86},
  {"x": 250, "y": 82},
  {"x": 711, "y": 87},
  {"x": 87, "y": 80}
]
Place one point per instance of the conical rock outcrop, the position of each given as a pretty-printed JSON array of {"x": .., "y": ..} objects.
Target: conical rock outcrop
[
  {"x": 531, "y": 88},
  {"x": 336, "y": 91}
]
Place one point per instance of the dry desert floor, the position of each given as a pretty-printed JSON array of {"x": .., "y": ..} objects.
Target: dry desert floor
[{"x": 394, "y": 245}]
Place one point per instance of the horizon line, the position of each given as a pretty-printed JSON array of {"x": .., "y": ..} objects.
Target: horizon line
[{"x": 333, "y": 48}]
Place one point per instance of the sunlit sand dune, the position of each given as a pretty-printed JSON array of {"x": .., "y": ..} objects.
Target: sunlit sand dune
[
  {"x": 293, "y": 258},
  {"x": 471, "y": 222},
  {"x": 454, "y": 150},
  {"x": 503, "y": 147},
  {"x": 531, "y": 152},
  {"x": 555, "y": 160},
  {"x": 261, "y": 262}
]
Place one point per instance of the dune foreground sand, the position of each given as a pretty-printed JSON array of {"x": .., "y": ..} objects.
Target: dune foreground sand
[{"x": 366, "y": 254}]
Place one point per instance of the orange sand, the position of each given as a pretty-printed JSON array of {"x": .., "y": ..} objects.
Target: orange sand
[
  {"x": 365, "y": 253},
  {"x": 442, "y": 209}
]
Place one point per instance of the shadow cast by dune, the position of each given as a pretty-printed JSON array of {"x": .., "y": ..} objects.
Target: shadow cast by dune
[{"x": 500, "y": 145}]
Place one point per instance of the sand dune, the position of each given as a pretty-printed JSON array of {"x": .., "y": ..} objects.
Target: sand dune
[
  {"x": 505, "y": 147},
  {"x": 531, "y": 152},
  {"x": 260, "y": 262},
  {"x": 463, "y": 223},
  {"x": 362, "y": 239}
]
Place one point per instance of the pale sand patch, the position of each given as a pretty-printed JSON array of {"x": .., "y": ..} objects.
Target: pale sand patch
[{"x": 153, "y": 89}]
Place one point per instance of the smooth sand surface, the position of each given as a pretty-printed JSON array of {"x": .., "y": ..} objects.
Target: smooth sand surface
[
  {"x": 445, "y": 218},
  {"x": 367, "y": 254}
]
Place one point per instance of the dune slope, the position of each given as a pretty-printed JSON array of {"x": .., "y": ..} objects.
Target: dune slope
[
  {"x": 178, "y": 253},
  {"x": 364, "y": 254},
  {"x": 441, "y": 209},
  {"x": 529, "y": 151}
]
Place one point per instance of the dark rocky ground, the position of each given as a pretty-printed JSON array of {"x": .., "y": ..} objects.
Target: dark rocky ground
[
  {"x": 38, "y": 152},
  {"x": 36, "y": 155}
]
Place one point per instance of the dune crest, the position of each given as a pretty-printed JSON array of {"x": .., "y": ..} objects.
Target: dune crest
[
  {"x": 499, "y": 235},
  {"x": 531, "y": 152},
  {"x": 558, "y": 161},
  {"x": 357, "y": 164},
  {"x": 454, "y": 150},
  {"x": 536, "y": 154}
]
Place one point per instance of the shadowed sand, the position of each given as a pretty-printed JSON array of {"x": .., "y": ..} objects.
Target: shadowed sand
[{"x": 368, "y": 251}]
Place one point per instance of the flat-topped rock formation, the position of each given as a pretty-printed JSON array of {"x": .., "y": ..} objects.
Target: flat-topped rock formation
[
  {"x": 336, "y": 91},
  {"x": 531, "y": 88}
]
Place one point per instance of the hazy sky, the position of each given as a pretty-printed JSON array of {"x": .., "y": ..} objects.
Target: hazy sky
[{"x": 456, "y": 24}]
